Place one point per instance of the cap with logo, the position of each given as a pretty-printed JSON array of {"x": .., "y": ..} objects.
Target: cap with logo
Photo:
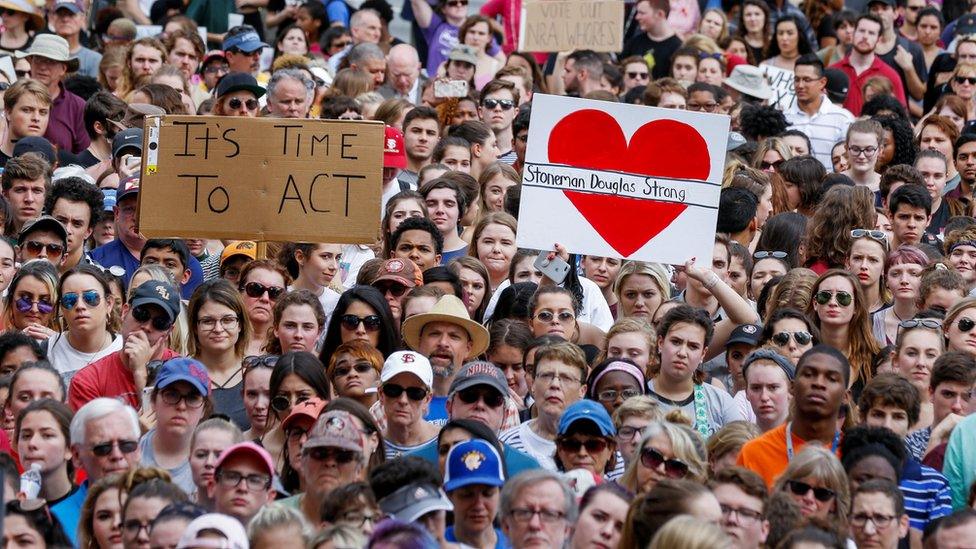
[
  {"x": 247, "y": 248},
  {"x": 473, "y": 461},
  {"x": 199, "y": 533},
  {"x": 108, "y": 200},
  {"x": 307, "y": 410},
  {"x": 587, "y": 410},
  {"x": 413, "y": 501},
  {"x": 399, "y": 270},
  {"x": 248, "y": 448},
  {"x": 128, "y": 186},
  {"x": 479, "y": 372},
  {"x": 394, "y": 155},
  {"x": 745, "y": 333},
  {"x": 184, "y": 369},
  {"x": 37, "y": 145},
  {"x": 966, "y": 25},
  {"x": 335, "y": 429},
  {"x": 409, "y": 362},
  {"x": 247, "y": 41},
  {"x": 43, "y": 223},
  {"x": 161, "y": 294},
  {"x": 129, "y": 138}
]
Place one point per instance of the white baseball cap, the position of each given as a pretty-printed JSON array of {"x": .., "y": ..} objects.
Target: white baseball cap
[{"x": 410, "y": 362}]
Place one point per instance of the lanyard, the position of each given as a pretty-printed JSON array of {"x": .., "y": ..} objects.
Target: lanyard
[
  {"x": 789, "y": 441},
  {"x": 701, "y": 415}
]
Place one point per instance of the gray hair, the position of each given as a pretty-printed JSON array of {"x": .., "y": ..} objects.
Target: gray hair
[
  {"x": 365, "y": 52},
  {"x": 293, "y": 74},
  {"x": 356, "y": 19},
  {"x": 97, "y": 409},
  {"x": 530, "y": 478},
  {"x": 277, "y": 515}
]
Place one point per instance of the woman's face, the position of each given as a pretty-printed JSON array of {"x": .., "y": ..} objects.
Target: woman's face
[
  {"x": 321, "y": 264},
  {"x": 496, "y": 247},
  {"x": 771, "y": 160},
  {"x": 478, "y": 36},
  {"x": 217, "y": 328},
  {"x": 8, "y": 265},
  {"x": 409, "y": 207},
  {"x": 737, "y": 276},
  {"x": 810, "y": 506},
  {"x": 787, "y": 38},
  {"x": 298, "y": 328},
  {"x": 13, "y": 19},
  {"x": 615, "y": 387},
  {"x": 18, "y": 533},
  {"x": 916, "y": 356},
  {"x": 207, "y": 447},
  {"x": 89, "y": 308},
  {"x": 525, "y": 271},
  {"x": 557, "y": 309},
  {"x": 929, "y": 29},
  {"x": 294, "y": 42},
  {"x": 866, "y": 262},
  {"x": 106, "y": 526},
  {"x": 887, "y": 149},
  {"x": 648, "y": 478},
  {"x": 474, "y": 288},
  {"x": 631, "y": 345},
  {"x": 296, "y": 390},
  {"x": 305, "y": 21},
  {"x": 639, "y": 296},
  {"x": 710, "y": 71},
  {"x": 449, "y": 438},
  {"x": 711, "y": 25},
  {"x": 768, "y": 392},
  {"x": 754, "y": 19},
  {"x": 684, "y": 68},
  {"x": 959, "y": 339},
  {"x": 240, "y": 103},
  {"x": 762, "y": 271},
  {"x": 177, "y": 419},
  {"x": 682, "y": 349},
  {"x": 495, "y": 190},
  {"x": 903, "y": 280},
  {"x": 360, "y": 332},
  {"x": 353, "y": 375},
  {"x": 956, "y": 119},
  {"x": 573, "y": 452},
  {"x": 792, "y": 348},
  {"x": 601, "y": 522},
  {"x": 139, "y": 514},
  {"x": 39, "y": 384},
  {"x": 509, "y": 360},
  {"x": 476, "y": 506},
  {"x": 838, "y": 158},
  {"x": 845, "y": 33},
  {"x": 41, "y": 441},
  {"x": 737, "y": 47},
  {"x": 601, "y": 270},
  {"x": 260, "y": 310},
  {"x": 963, "y": 84},
  {"x": 32, "y": 303},
  {"x": 833, "y": 313},
  {"x": 257, "y": 397},
  {"x": 963, "y": 259},
  {"x": 629, "y": 435}
]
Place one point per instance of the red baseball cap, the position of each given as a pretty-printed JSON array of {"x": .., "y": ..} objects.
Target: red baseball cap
[{"x": 394, "y": 155}]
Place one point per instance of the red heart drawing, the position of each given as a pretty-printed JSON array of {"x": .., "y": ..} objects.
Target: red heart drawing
[{"x": 662, "y": 148}]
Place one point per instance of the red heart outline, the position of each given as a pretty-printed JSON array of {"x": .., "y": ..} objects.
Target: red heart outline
[{"x": 661, "y": 148}]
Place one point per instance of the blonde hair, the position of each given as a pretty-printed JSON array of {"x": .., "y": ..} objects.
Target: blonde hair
[
  {"x": 682, "y": 444},
  {"x": 820, "y": 464},
  {"x": 730, "y": 439},
  {"x": 770, "y": 144},
  {"x": 657, "y": 272},
  {"x": 638, "y": 406},
  {"x": 688, "y": 532},
  {"x": 630, "y": 325}
]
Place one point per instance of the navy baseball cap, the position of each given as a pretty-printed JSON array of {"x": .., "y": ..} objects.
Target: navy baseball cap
[
  {"x": 247, "y": 41},
  {"x": 470, "y": 462},
  {"x": 129, "y": 138},
  {"x": 127, "y": 186},
  {"x": 74, "y": 7},
  {"x": 161, "y": 294},
  {"x": 237, "y": 81},
  {"x": 587, "y": 410},
  {"x": 183, "y": 369},
  {"x": 37, "y": 145},
  {"x": 479, "y": 372}
]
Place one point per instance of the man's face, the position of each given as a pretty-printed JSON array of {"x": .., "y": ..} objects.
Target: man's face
[
  {"x": 418, "y": 246},
  {"x": 26, "y": 198},
  {"x": 960, "y": 537},
  {"x": 889, "y": 417},
  {"x": 376, "y": 68},
  {"x": 866, "y": 36},
  {"x": 239, "y": 61},
  {"x": 819, "y": 387},
  {"x": 498, "y": 110},
  {"x": 145, "y": 60},
  {"x": 76, "y": 217},
  {"x": 874, "y": 507},
  {"x": 442, "y": 205},
  {"x": 911, "y": 9},
  {"x": 29, "y": 117},
  {"x": 519, "y": 143},
  {"x": 570, "y": 76},
  {"x": 403, "y": 74},
  {"x": 127, "y": 222},
  {"x": 66, "y": 23},
  {"x": 933, "y": 172},
  {"x": 370, "y": 29},
  {"x": 327, "y": 468},
  {"x": 808, "y": 85},
  {"x": 531, "y": 531},
  {"x": 290, "y": 99},
  {"x": 184, "y": 57},
  {"x": 931, "y": 137},
  {"x": 44, "y": 245},
  {"x": 966, "y": 162},
  {"x": 240, "y": 501},
  {"x": 47, "y": 71},
  {"x": 966, "y": 52},
  {"x": 110, "y": 432},
  {"x": 742, "y": 516},
  {"x": 130, "y": 325},
  {"x": 169, "y": 259},
  {"x": 420, "y": 137},
  {"x": 488, "y": 406},
  {"x": 214, "y": 71},
  {"x": 950, "y": 397},
  {"x": 862, "y": 152},
  {"x": 907, "y": 224},
  {"x": 885, "y": 12},
  {"x": 446, "y": 345},
  {"x": 702, "y": 101}
]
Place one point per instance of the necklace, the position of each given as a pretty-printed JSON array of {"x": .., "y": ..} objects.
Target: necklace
[{"x": 229, "y": 379}]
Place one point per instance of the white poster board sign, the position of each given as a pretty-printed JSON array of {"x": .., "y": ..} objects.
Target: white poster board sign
[
  {"x": 618, "y": 180},
  {"x": 781, "y": 80}
]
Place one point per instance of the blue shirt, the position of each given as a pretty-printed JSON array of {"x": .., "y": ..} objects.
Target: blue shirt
[
  {"x": 68, "y": 511},
  {"x": 501, "y": 543},
  {"x": 437, "y": 411},
  {"x": 116, "y": 254},
  {"x": 927, "y": 494}
]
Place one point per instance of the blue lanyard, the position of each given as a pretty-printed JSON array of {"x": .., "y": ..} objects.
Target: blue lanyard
[{"x": 789, "y": 441}]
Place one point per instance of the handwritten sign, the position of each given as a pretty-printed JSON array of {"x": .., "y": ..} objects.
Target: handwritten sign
[
  {"x": 619, "y": 180},
  {"x": 565, "y": 25},
  {"x": 261, "y": 179},
  {"x": 781, "y": 80}
]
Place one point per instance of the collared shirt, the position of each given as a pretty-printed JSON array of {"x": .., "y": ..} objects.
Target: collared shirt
[
  {"x": 66, "y": 124},
  {"x": 855, "y": 101},
  {"x": 826, "y": 127}
]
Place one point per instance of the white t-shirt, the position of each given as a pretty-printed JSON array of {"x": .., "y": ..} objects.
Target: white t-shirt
[
  {"x": 353, "y": 257},
  {"x": 522, "y": 438},
  {"x": 68, "y": 360}
]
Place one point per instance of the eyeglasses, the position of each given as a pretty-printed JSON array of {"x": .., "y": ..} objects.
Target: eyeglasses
[
  {"x": 521, "y": 514},
  {"x": 573, "y": 445},
  {"x": 548, "y": 316},
  {"x": 880, "y": 236},
  {"x": 392, "y": 288},
  {"x": 213, "y": 69},
  {"x": 231, "y": 479},
  {"x": 505, "y": 104},
  {"x": 372, "y": 323},
  {"x": 930, "y": 323},
  {"x": 143, "y": 314},
  {"x": 673, "y": 468},
  {"x": 764, "y": 255},
  {"x": 971, "y": 80},
  {"x": 324, "y": 454},
  {"x": 25, "y": 304},
  {"x": 610, "y": 395},
  {"x": 91, "y": 298},
  {"x": 799, "y": 488},
  {"x": 235, "y": 104},
  {"x": 360, "y": 367},
  {"x": 260, "y": 361},
  {"x": 133, "y": 527},
  {"x": 565, "y": 380},
  {"x": 636, "y": 75},
  {"x": 456, "y": 3},
  {"x": 843, "y": 298},
  {"x": 491, "y": 397},
  {"x": 227, "y": 323},
  {"x": 858, "y": 151},
  {"x": 281, "y": 403},
  {"x": 256, "y": 290},
  {"x": 745, "y": 514},
  {"x": 881, "y": 522},
  {"x": 35, "y": 247},
  {"x": 392, "y": 390},
  {"x": 105, "y": 448},
  {"x": 770, "y": 165},
  {"x": 966, "y": 324},
  {"x": 702, "y": 107},
  {"x": 173, "y": 398},
  {"x": 628, "y": 432},
  {"x": 358, "y": 518},
  {"x": 783, "y": 338}
]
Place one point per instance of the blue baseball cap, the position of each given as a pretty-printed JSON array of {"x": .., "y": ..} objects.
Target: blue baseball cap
[
  {"x": 587, "y": 410},
  {"x": 470, "y": 462},
  {"x": 108, "y": 200},
  {"x": 184, "y": 369},
  {"x": 247, "y": 41}
]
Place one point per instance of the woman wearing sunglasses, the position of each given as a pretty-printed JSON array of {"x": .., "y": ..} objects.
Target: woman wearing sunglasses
[
  {"x": 918, "y": 344},
  {"x": 903, "y": 275},
  {"x": 237, "y": 95},
  {"x": 667, "y": 450},
  {"x": 586, "y": 440},
  {"x": 553, "y": 311},
  {"x": 405, "y": 395},
  {"x": 815, "y": 480},
  {"x": 866, "y": 261},
  {"x": 30, "y": 300},
  {"x": 963, "y": 84},
  {"x": 219, "y": 333},
  {"x": 180, "y": 399},
  {"x": 86, "y": 307},
  {"x": 958, "y": 325},
  {"x": 297, "y": 377},
  {"x": 439, "y": 23},
  {"x": 362, "y": 314},
  {"x": 262, "y": 283},
  {"x": 298, "y": 322},
  {"x": 354, "y": 371},
  {"x": 789, "y": 332}
]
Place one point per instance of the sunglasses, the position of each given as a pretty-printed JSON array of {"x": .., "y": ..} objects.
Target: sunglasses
[
  {"x": 372, "y": 323},
  {"x": 971, "y": 80},
  {"x": 35, "y": 247},
  {"x": 491, "y": 398},
  {"x": 394, "y": 289},
  {"x": 360, "y": 367},
  {"x": 880, "y": 236},
  {"x": 505, "y": 104},
  {"x": 25, "y": 304},
  {"x": 91, "y": 298},
  {"x": 930, "y": 323},
  {"x": 964, "y": 324},
  {"x": 105, "y": 448},
  {"x": 573, "y": 445},
  {"x": 392, "y": 390},
  {"x": 774, "y": 165},
  {"x": 764, "y": 255},
  {"x": 281, "y": 403},
  {"x": 783, "y": 338},
  {"x": 843, "y": 298},
  {"x": 636, "y": 75},
  {"x": 456, "y": 3},
  {"x": 235, "y": 104},
  {"x": 323, "y": 454},
  {"x": 260, "y": 361},
  {"x": 547, "y": 316},
  {"x": 143, "y": 315},
  {"x": 256, "y": 290},
  {"x": 798, "y": 488},
  {"x": 673, "y": 468}
]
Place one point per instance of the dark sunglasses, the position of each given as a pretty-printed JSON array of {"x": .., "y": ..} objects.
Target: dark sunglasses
[
  {"x": 673, "y": 468},
  {"x": 235, "y": 103},
  {"x": 22, "y": 74},
  {"x": 964, "y": 324},
  {"x": 322, "y": 454},
  {"x": 143, "y": 315},
  {"x": 505, "y": 104},
  {"x": 360, "y": 367},
  {"x": 91, "y": 298},
  {"x": 774, "y": 165},
  {"x": 798, "y": 488},
  {"x": 34, "y": 247},
  {"x": 105, "y": 448},
  {"x": 455, "y": 3},
  {"x": 971, "y": 80},
  {"x": 256, "y": 290},
  {"x": 372, "y": 323},
  {"x": 281, "y": 403},
  {"x": 764, "y": 255},
  {"x": 413, "y": 393},
  {"x": 491, "y": 397},
  {"x": 260, "y": 361},
  {"x": 783, "y": 338},
  {"x": 25, "y": 304},
  {"x": 573, "y": 445},
  {"x": 843, "y": 298},
  {"x": 394, "y": 289},
  {"x": 636, "y": 75}
]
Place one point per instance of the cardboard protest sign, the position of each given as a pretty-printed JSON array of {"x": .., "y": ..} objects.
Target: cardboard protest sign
[
  {"x": 781, "y": 80},
  {"x": 565, "y": 25},
  {"x": 618, "y": 180},
  {"x": 244, "y": 178}
]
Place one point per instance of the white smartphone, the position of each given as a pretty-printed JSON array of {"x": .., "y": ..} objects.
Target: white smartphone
[{"x": 555, "y": 269}]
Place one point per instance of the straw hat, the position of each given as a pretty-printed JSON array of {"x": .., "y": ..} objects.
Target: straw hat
[
  {"x": 447, "y": 309},
  {"x": 24, "y": 6}
]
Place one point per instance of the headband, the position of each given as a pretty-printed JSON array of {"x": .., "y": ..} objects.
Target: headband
[
  {"x": 962, "y": 243},
  {"x": 767, "y": 354},
  {"x": 621, "y": 366}
]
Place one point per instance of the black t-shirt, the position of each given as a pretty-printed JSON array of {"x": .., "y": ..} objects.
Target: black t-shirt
[
  {"x": 918, "y": 60},
  {"x": 662, "y": 51},
  {"x": 278, "y": 6},
  {"x": 939, "y": 218},
  {"x": 3, "y": 159}
]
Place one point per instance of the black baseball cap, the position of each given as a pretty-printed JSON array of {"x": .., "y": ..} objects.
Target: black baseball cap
[
  {"x": 837, "y": 85},
  {"x": 162, "y": 294},
  {"x": 129, "y": 138},
  {"x": 43, "y": 223},
  {"x": 745, "y": 333},
  {"x": 237, "y": 81},
  {"x": 37, "y": 145}
]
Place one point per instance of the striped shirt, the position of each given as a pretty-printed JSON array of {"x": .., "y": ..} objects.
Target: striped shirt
[
  {"x": 927, "y": 495},
  {"x": 826, "y": 127}
]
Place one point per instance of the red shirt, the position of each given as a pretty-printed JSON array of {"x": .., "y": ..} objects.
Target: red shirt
[
  {"x": 855, "y": 100},
  {"x": 106, "y": 377}
]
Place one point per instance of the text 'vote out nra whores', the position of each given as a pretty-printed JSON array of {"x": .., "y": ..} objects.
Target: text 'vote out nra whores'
[{"x": 253, "y": 178}]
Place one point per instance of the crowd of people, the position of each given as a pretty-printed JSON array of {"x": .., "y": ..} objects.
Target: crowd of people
[{"x": 808, "y": 386}]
